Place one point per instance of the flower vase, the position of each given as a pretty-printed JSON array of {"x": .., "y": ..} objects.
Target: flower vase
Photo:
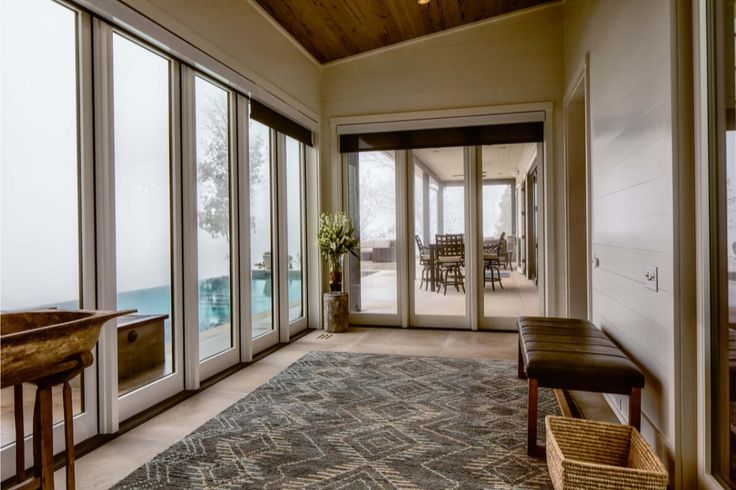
[{"x": 335, "y": 264}]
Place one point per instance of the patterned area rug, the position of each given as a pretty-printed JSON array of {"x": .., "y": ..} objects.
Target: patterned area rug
[{"x": 347, "y": 420}]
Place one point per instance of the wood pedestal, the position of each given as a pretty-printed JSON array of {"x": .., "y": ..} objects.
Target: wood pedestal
[{"x": 335, "y": 314}]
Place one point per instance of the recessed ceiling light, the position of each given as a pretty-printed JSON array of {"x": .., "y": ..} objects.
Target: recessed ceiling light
[{"x": 423, "y": 2}]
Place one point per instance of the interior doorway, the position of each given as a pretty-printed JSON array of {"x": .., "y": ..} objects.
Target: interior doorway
[
  {"x": 532, "y": 225},
  {"x": 577, "y": 185}
]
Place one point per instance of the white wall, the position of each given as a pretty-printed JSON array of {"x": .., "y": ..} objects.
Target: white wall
[
  {"x": 632, "y": 197},
  {"x": 509, "y": 60},
  {"x": 237, "y": 34}
]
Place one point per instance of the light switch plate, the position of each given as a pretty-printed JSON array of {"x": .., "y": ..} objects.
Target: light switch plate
[{"x": 651, "y": 277}]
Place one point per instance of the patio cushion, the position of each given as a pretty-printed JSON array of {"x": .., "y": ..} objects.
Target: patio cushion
[{"x": 450, "y": 259}]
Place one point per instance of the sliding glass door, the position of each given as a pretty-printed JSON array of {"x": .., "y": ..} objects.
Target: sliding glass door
[
  {"x": 295, "y": 217},
  {"x": 46, "y": 245},
  {"x": 126, "y": 182},
  {"x": 263, "y": 327},
  {"x": 217, "y": 319},
  {"x": 146, "y": 340},
  {"x": 506, "y": 291},
  {"x": 372, "y": 277},
  {"x": 439, "y": 288},
  {"x": 457, "y": 263}
]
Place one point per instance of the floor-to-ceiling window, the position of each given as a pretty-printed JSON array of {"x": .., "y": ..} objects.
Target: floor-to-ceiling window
[
  {"x": 40, "y": 175},
  {"x": 372, "y": 208},
  {"x": 294, "y": 167},
  {"x": 261, "y": 251},
  {"x": 214, "y": 217},
  {"x": 143, "y": 269},
  {"x": 103, "y": 142}
]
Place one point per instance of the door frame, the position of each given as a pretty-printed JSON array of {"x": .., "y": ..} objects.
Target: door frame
[
  {"x": 581, "y": 82},
  {"x": 276, "y": 334},
  {"x": 113, "y": 407},
  {"x": 85, "y": 422},
  {"x": 198, "y": 370},
  {"x": 542, "y": 111},
  {"x": 463, "y": 321}
]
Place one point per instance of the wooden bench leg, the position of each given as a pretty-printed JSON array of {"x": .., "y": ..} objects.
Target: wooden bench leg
[
  {"x": 520, "y": 364},
  {"x": 532, "y": 448},
  {"x": 635, "y": 408}
]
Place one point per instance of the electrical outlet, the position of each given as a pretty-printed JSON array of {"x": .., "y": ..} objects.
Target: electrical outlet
[{"x": 651, "y": 277}]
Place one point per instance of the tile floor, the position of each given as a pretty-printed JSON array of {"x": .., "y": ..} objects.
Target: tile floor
[
  {"x": 116, "y": 459},
  {"x": 519, "y": 296}
]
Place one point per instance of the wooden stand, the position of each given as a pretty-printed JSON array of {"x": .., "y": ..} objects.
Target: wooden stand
[
  {"x": 335, "y": 312},
  {"x": 43, "y": 428}
]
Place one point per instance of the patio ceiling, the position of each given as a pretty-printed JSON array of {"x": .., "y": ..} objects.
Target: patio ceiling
[{"x": 499, "y": 161}]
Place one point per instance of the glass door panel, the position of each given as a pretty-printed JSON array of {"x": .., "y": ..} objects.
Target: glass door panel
[
  {"x": 261, "y": 270},
  {"x": 39, "y": 170},
  {"x": 506, "y": 292},
  {"x": 372, "y": 208},
  {"x": 439, "y": 288},
  {"x": 142, "y": 214},
  {"x": 212, "y": 114},
  {"x": 294, "y": 232}
]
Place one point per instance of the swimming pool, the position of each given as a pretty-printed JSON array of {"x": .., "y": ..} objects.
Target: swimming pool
[{"x": 214, "y": 296}]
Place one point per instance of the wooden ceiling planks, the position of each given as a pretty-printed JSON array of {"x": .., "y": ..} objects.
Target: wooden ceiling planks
[{"x": 334, "y": 29}]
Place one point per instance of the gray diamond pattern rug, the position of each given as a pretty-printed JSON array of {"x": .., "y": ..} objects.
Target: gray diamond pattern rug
[{"x": 347, "y": 420}]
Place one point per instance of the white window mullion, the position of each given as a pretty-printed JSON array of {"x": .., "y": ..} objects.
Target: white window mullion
[
  {"x": 281, "y": 249},
  {"x": 403, "y": 220},
  {"x": 88, "y": 427},
  {"x": 107, "y": 368},
  {"x": 313, "y": 258},
  {"x": 178, "y": 298},
  {"x": 245, "y": 327},
  {"x": 189, "y": 229},
  {"x": 473, "y": 244}
]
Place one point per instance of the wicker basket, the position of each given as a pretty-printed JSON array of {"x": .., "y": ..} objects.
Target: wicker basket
[{"x": 587, "y": 455}]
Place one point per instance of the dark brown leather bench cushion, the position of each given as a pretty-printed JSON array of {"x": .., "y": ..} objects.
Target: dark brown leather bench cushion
[{"x": 574, "y": 354}]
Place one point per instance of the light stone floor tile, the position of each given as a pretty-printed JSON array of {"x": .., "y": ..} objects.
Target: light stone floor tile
[{"x": 108, "y": 464}]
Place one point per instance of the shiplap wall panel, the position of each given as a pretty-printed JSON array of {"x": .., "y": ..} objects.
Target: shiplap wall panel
[{"x": 628, "y": 42}]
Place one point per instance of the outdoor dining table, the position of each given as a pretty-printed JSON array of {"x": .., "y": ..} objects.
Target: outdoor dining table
[{"x": 433, "y": 260}]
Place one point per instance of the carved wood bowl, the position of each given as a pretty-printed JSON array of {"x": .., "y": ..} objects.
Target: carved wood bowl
[{"x": 40, "y": 343}]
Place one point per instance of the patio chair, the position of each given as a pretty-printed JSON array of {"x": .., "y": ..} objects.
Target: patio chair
[
  {"x": 450, "y": 261},
  {"x": 424, "y": 261},
  {"x": 503, "y": 251},
  {"x": 492, "y": 261}
]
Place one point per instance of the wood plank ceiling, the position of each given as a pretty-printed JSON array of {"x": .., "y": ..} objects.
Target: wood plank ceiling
[{"x": 334, "y": 29}]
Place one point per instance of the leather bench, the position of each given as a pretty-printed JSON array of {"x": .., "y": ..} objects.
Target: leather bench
[{"x": 573, "y": 354}]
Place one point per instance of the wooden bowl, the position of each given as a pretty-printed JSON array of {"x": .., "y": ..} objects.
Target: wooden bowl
[{"x": 40, "y": 343}]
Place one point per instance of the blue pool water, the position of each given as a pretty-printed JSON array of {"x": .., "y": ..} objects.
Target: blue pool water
[{"x": 214, "y": 299}]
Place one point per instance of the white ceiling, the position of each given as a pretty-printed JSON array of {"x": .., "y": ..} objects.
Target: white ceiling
[{"x": 499, "y": 161}]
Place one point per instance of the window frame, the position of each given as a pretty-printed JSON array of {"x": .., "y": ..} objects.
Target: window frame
[{"x": 222, "y": 360}]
